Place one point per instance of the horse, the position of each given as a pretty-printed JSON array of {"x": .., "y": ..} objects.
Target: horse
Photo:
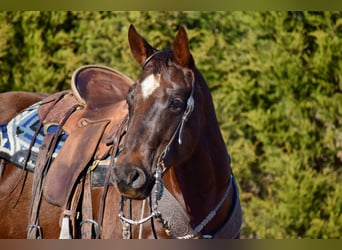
[{"x": 169, "y": 174}]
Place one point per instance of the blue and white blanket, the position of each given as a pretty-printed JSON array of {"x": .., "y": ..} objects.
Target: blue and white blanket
[{"x": 17, "y": 135}]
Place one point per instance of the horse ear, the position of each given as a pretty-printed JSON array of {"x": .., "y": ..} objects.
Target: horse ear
[
  {"x": 181, "y": 50},
  {"x": 140, "y": 49}
]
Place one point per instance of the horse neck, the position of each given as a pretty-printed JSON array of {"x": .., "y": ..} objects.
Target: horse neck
[{"x": 200, "y": 182}]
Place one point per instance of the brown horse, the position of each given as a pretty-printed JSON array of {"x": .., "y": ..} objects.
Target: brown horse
[{"x": 171, "y": 177}]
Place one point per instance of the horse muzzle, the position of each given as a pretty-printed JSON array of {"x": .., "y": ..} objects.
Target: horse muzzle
[{"x": 132, "y": 182}]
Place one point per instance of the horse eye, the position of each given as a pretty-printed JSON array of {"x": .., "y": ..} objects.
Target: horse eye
[
  {"x": 177, "y": 105},
  {"x": 130, "y": 95}
]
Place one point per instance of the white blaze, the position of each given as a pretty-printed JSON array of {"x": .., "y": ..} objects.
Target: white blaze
[{"x": 149, "y": 85}]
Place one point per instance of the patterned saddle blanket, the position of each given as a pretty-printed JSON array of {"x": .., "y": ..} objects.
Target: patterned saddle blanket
[{"x": 17, "y": 136}]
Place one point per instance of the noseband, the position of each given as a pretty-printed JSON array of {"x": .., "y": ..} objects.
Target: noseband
[{"x": 161, "y": 168}]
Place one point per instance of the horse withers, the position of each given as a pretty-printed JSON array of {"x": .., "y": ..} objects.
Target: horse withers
[{"x": 169, "y": 175}]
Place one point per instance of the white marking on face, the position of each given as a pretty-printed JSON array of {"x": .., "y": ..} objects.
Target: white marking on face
[{"x": 150, "y": 84}]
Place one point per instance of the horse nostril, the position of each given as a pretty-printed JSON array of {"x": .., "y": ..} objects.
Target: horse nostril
[{"x": 137, "y": 178}]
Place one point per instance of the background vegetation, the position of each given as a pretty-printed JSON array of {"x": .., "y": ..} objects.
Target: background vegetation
[{"x": 276, "y": 79}]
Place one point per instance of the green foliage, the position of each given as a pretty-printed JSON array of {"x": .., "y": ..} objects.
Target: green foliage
[
  {"x": 276, "y": 80},
  {"x": 282, "y": 103}
]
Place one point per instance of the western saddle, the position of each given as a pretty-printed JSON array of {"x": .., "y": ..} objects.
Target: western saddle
[{"x": 91, "y": 114}]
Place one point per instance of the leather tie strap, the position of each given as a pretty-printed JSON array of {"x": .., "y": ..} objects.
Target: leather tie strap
[
  {"x": 34, "y": 231},
  {"x": 87, "y": 209}
]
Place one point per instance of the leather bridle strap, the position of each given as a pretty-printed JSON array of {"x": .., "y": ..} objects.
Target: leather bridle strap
[
  {"x": 196, "y": 231},
  {"x": 232, "y": 225},
  {"x": 148, "y": 59},
  {"x": 180, "y": 128}
]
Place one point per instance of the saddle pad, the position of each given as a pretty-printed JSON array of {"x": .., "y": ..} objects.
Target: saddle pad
[{"x": 17, "y": 135}]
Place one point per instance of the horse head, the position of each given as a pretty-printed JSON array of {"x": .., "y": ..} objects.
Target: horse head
[{"x": 162, "y": 128}]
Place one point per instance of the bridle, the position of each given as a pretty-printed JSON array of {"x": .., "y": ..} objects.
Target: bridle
[
  {"x": 161, "y": 168},
  {"x": 180, "y": 128}
]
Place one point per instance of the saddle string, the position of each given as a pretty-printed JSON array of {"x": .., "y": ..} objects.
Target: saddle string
[
  {"x": 87, "y": 224},
  {"x": 46, "y": 151},
  {"x": 70, "y": 213},
  {"x": 40, "y": 125},
  {"x": 44, "y": 158}
]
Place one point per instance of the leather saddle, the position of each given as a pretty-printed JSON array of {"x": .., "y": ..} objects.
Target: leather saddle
[{"x": 90, "y": 114}]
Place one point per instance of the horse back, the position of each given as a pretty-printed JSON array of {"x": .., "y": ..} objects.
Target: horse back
[
  {"x": 15, "y": 101},
  {"x": 15, "y": 197}
]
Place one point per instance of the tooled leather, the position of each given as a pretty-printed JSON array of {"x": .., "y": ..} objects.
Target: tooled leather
[
  {"x": 172, "y": 211},
  {"x": 179, "y": 221},
  {"x": 70, "y": 162},
  {"x": 89, "y": 128}
]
